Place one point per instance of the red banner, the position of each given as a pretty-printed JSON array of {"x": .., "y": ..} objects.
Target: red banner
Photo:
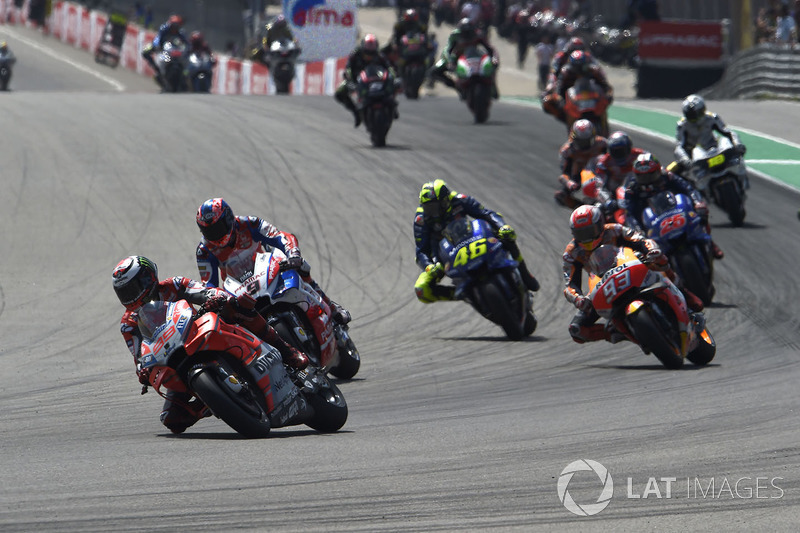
[{"x": 680, "y": 40}]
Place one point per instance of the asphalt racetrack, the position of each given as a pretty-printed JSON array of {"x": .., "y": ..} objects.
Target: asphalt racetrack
[{"x": 451, "y": 427}]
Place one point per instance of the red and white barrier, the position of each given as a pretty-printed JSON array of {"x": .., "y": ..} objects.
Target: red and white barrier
[{"x": 74, "y": 24}]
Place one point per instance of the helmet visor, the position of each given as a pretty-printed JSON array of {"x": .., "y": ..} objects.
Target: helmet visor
[
  {"x": 648, "y": 178},
  {"x": 133, "y": 290},
  {"x": 432, "y": 209},
  {"x": 587, "y": 234},
  {"x": 216, "y": 231}
]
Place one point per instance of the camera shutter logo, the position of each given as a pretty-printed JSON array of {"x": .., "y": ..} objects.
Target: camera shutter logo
[{"x": 585, "y": 465}]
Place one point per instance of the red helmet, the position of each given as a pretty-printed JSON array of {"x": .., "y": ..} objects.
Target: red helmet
[
  {"x": 582, "y": 134},
  {"x": 647, "y": 170},
  {"x": 279, "y": 22},
  {"x": 369, "y": 45},
  {"x": 576, "y": 43},
  {"x": 175, "y": 22},
  {"x": 216, "y": 221},
  {"x": 410, "y": 15},
  {"x": 135, "y": 279},
  {"x": 587, "y": 225}
]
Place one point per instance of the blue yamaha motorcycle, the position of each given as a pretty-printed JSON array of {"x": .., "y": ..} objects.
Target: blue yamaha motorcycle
[
  {"x": 671, "y": 221},
  {"x": 486, "y": 276}
]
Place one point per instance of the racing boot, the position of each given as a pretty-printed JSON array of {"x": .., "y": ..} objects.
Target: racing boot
[
  {"x": 692, "y": 301},
  {"x": 181, "y": 411},
  {"x": 396, "y": 112},
  {"x": 716, "y": 251},
  {"x": 427, "y": 288},
  {"x": 508, "y": 237},
  {"x": 293, "y": 357},
  {"x": 495, "y": 92},
  {"x": 339, "y": 314}
]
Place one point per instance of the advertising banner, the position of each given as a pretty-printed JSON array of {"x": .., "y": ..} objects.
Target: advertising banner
[
  {"x": 324, "y": 28},
  {"x": 682, "y": 40}
]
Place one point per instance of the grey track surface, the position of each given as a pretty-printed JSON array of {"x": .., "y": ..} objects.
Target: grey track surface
[{"x": 451, "y": 427}]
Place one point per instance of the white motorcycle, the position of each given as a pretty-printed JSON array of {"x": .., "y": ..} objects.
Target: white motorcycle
[
  {"x": 719, "y": 172},
  {"x": 296, "y": 311}
]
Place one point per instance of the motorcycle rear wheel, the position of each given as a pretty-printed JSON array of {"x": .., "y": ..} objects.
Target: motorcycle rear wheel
[
  {"x": 241, "y": 411},
  {"x": 653, "y": 338},
  {"x": 500, "y": 310},
  {"x": 481, "y": 98},
  {"x": 696, "y": 281}
]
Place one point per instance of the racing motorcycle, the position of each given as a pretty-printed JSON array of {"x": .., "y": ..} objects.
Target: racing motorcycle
[
  {"x": 475, "y": 74},
  {"x": 670, "y": 220},
  {"x": 486, "y": 276},
  {"x": 720, "y": 172},
  {"x": 414, "y": 53},
  {"x": 375, "y": 90},
  {"x": 647, "y": 308},
  {"x": 281, "y": 59},
  {"x": 7, "y": 60},
  {"x": 297, "y": 312},
  {"x": 586, "y": 99},
  {"x": 200, "y": 70},
  {"x": 594, "y": 191},
  {"x": 171, "y": 63},
  {"x": 239, "y": 378}
]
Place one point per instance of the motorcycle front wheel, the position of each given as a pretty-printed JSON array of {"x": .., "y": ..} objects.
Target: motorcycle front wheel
[
  {"x": 330, "y": 409},
  {"x": 650, "y": 336},
  {"x": 500, "y": 310},
  {"x": 233, "y": 399}
]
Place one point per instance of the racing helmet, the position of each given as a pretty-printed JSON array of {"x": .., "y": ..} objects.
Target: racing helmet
[
  {"x": 435, "y": 199},
  {"x": 619, "y": 147},
  {"x": 3, "y": 46},
  {"x": 694, "y": 107},
  {"x": 647, "y": 171},
  {"x": 582, "y": 134},
  {"x": 196, "y": 39},
  {"x": 279, "y": 22},
  {"x": 216, "y": 221},
  {"x": 135, "y": 281},
  {"x": 369, "y": 46},
  {"x": 175, "y": 23},
  {"x": 466, "y": 30},
  {"x": 580, "y": 61},
  {"x": 587, "y": 225},
  {"x": 410, "y": 15},
  {"x": 576, "y": 43}
]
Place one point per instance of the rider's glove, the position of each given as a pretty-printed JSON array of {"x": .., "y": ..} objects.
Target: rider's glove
[
  {"x": 144, "y": 375},
  {"x": 292, "y": 263},
  {"x": 507, "y": 233},
  {"x": 609, "y": 206},
  {"x": 656, "y": 258},
  {"x": 583, "y": 303},
  {"x": 436, "y": 270},
  {"x": 223, "y": 305},
  {"x": 701, "y": 208}
]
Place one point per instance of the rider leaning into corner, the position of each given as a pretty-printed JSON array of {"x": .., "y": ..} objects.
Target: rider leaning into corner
[
  {"x": 438, "y": 206},
  {"x": 650, "y": 178},
  {"x": 582, "y": 146},
  {"x": 464, "y": 35},
  {"x": 589, "y": 232},
  {"x": 696, "y": 128},
  {"x": 171, "y": 29},
  {"x": 364, "y": 54},
  {"x": 135, "y": 281},
  {"x": 230, "y": 242}
]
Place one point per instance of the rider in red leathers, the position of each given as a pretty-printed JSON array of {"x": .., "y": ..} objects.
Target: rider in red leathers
[
  {"x": 583, "y": 146},
  {"x": 135, "y": 281},
  {"x": 551, "y": 103},
  {"x": 581, "y": 64},
  {"x": 229, "y": 243},
  {"x": 589, "y": 232},
  {"x": 615, "y": 166}
]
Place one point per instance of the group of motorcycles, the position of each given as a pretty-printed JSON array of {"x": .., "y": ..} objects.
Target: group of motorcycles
[
  {"x": 624, "y": 292},
  {"x": 238, "y": 377},
  {"x": 182, "y": 70}
]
